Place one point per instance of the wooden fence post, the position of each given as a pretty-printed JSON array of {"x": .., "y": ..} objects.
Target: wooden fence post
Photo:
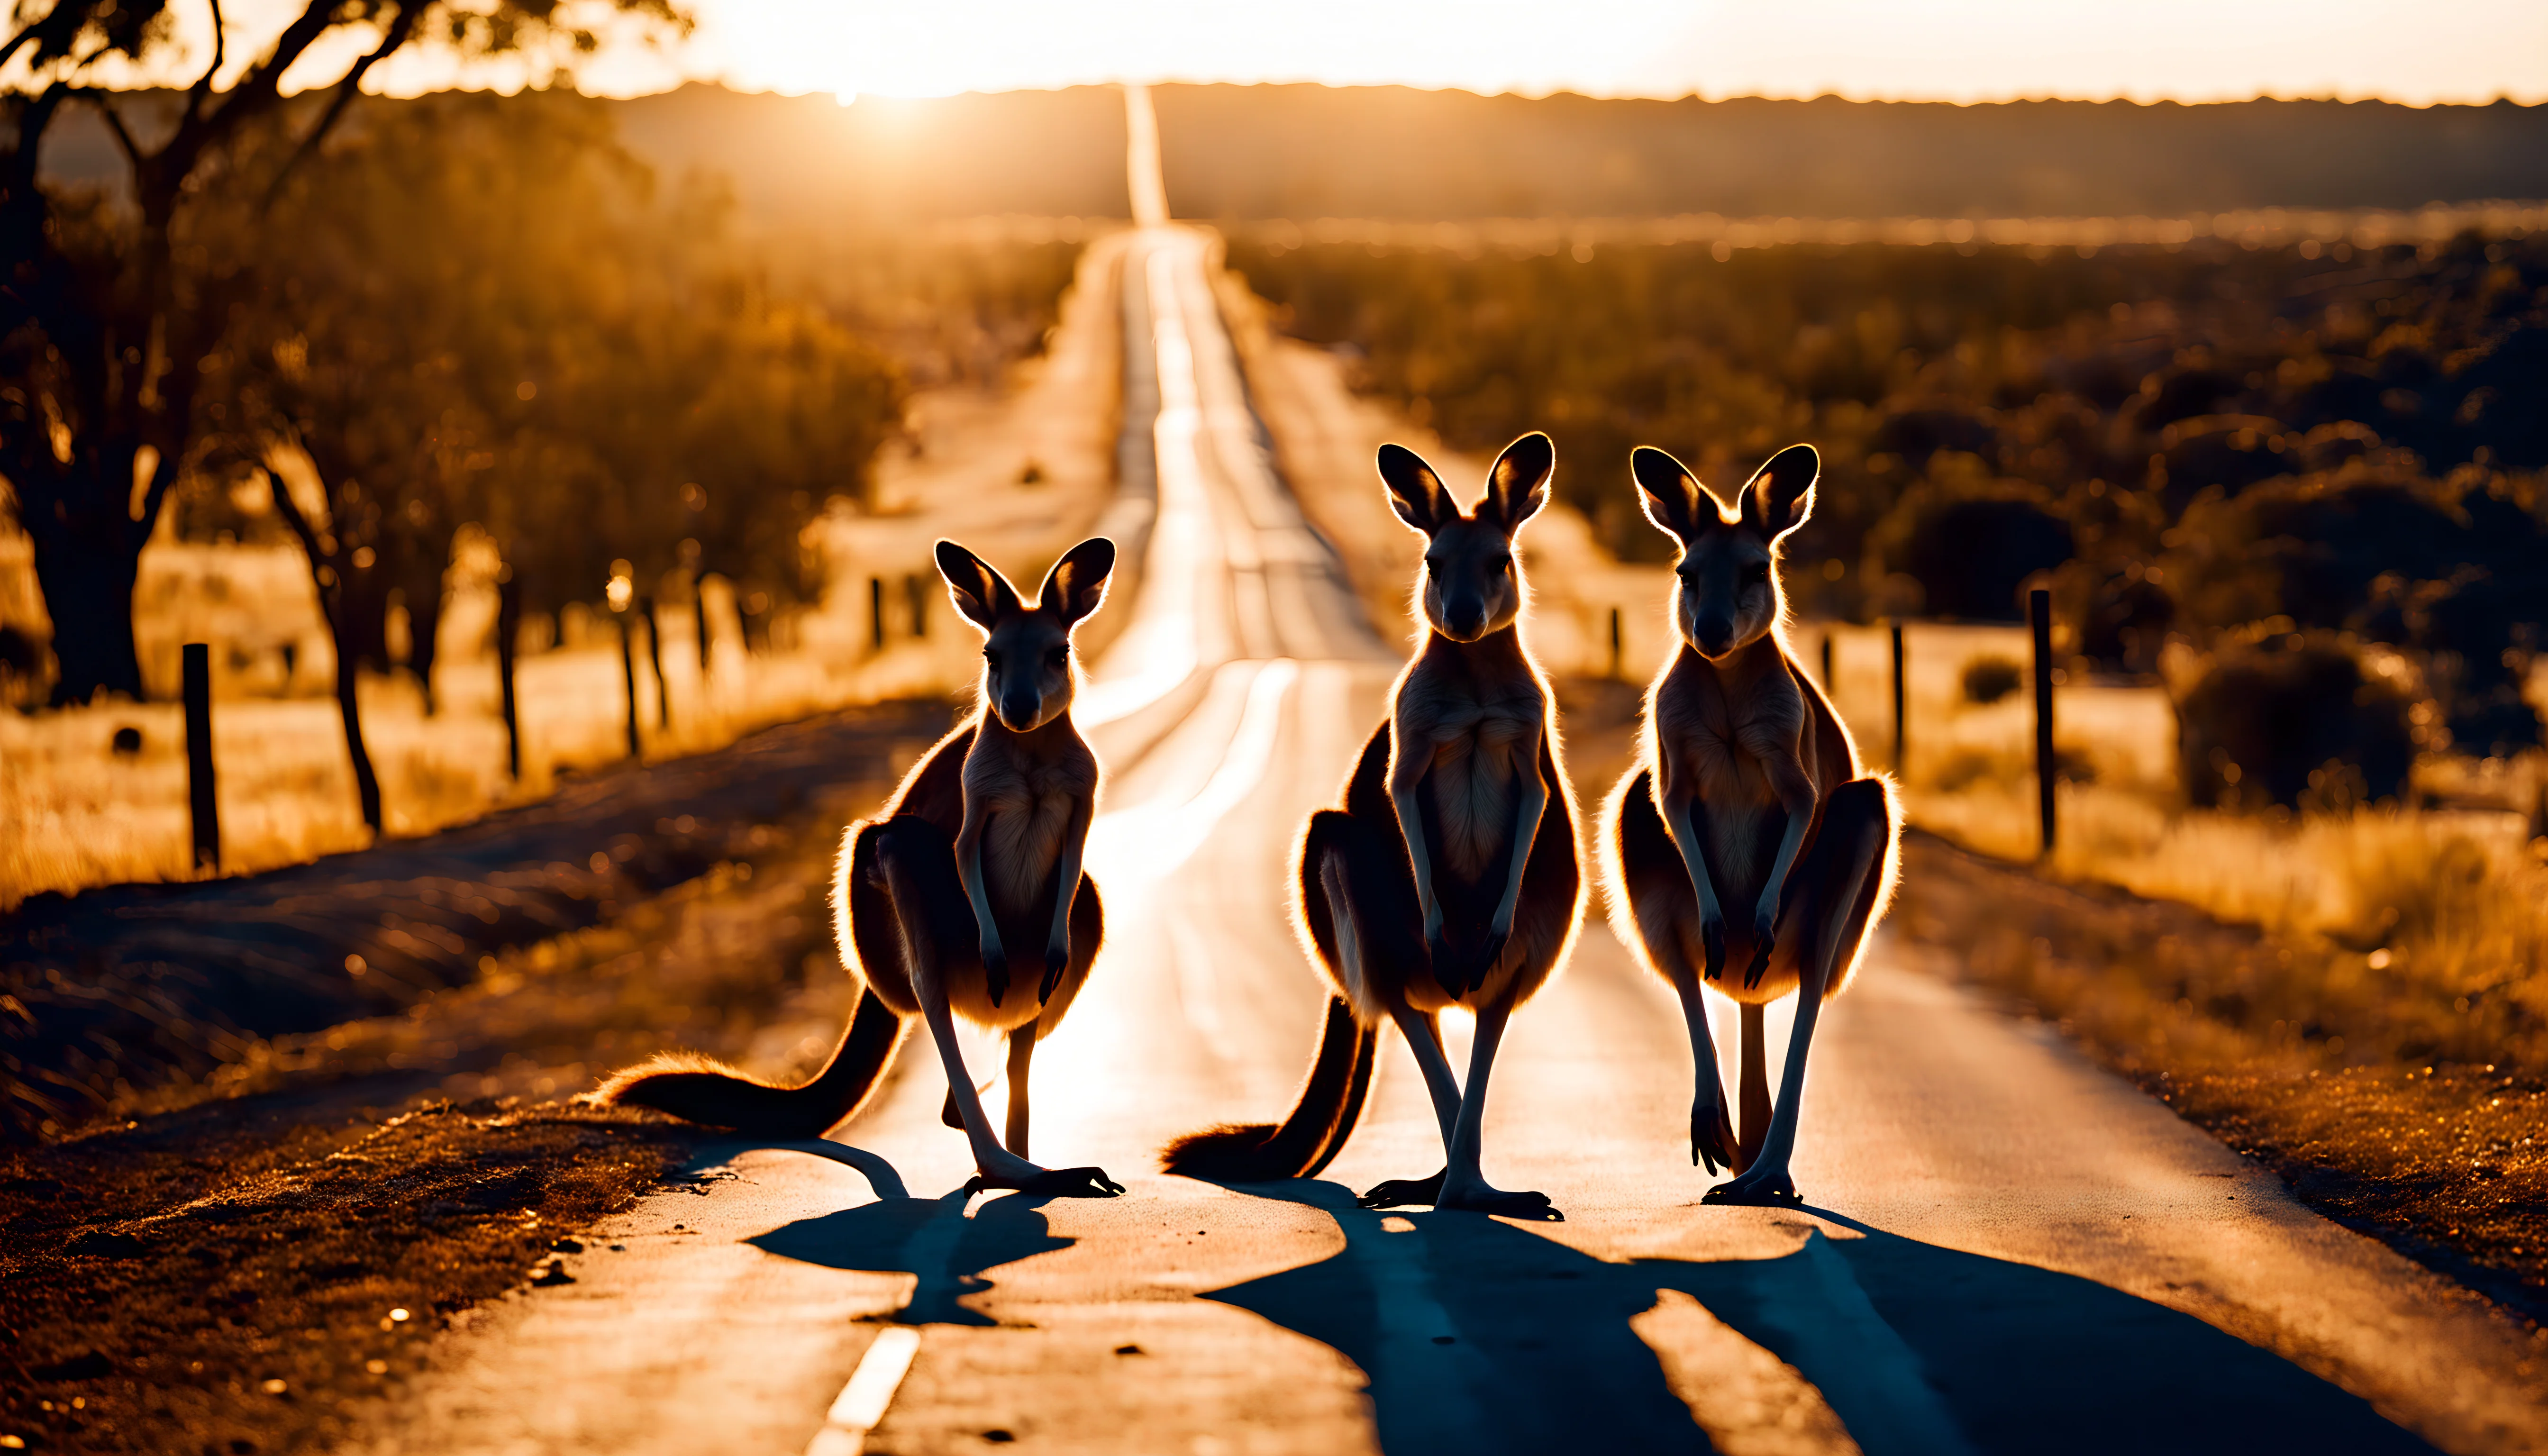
[
  {"x": 1617, "y": 660},
  {"x": 917, "y": 589},
  {"x": 200, "y": 794},
  {"x": 1829, "y": 688},
  {"x": 628, "y": 677},
  {"x": 1901, "y": 717},
  {"x": 2039, "y": 612},
  {"x": 509, "y": 642},
  {"x": 875, "y": 612},
  {"x": 655, "y": 660}
]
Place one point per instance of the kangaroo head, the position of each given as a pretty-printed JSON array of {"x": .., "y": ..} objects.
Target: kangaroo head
[
  {"x": 1728, "y": 596},
  {"x": 1026, "y": 675},
  {"x": 1471, "y": 587}
]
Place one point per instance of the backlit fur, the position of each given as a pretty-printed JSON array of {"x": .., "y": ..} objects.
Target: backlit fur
[{"x": 1735, "y": 709}]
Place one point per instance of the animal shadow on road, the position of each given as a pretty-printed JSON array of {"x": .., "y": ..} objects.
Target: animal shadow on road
[
  {"x": 1481, "y": 1336},
  {"x": 928, "y": 1238}
]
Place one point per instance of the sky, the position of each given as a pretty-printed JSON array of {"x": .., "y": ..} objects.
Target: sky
[
  {"x": 2436, "y": 50},
  {"x": 1896, "y": 50}
]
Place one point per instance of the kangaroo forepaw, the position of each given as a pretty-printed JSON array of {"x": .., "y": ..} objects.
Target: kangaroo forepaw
[
  {"x": 995, "y": 974},
  {"x": 1054, "y": 963},
  {"x": 1711, "y": 1135},
  {"x": 1438, "y": 951},
  {"x": 1404, "y": 1193},
  {"x": 1760, "y": 964},
  {"x": 1711, "y": 940},
  {"x": 1489, "y": 956}
]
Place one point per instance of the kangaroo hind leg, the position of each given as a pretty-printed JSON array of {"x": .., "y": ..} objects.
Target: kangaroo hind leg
[
  {"x": 1844, "y": 865},
  {"x": 916, "y": 862}
]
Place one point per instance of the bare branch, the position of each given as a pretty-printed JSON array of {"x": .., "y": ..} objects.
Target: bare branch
[
  {"x": 203, "y": 86},
  {"x": 163, "y": 474},
  {"x": 256, "y": 92},
  {"x": 402, "y": 26},
  {"x": 103, "y": 102},
  {"x": 289, "y": 510}
]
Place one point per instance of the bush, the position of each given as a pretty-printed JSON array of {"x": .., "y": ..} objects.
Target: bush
[
  {"x": 1971, "y": 541},
  {"x": 2292, "y": 721},
  {"x": 1987, "y": 679}
]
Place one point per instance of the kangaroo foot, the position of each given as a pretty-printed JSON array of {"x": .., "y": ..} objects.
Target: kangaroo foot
[
  {"x": 1763, "y": 1188},
  {"x": 1399, "y": 1193},
  {"x": 1481, "y": 1199}
]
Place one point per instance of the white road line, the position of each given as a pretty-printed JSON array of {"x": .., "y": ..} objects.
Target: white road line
[
  {"x": 861, "y": 1404},
  {"x": 1150, "y": 841},
  {"x": 1163, "y": 646}
]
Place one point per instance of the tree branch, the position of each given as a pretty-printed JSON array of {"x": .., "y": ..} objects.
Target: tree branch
[
  {"x": 289, "y": 510},
  {"x": 255, "y": 93},
  {"x": 113, "y": 123},
  {"x": 401, "y": 28},
  {"x": 203, "y": 86}
]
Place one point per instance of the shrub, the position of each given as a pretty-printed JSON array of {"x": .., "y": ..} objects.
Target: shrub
[
  {"x": 2291, "y": 721},
  {"x": 1987, "y": 679}
]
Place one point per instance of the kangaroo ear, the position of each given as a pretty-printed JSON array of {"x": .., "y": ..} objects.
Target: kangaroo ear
[
  {"x": 1414, "y": 491},
  {"x": 1517, "y": 486},
  {"x": 1778, "y": 499},
  {"x": 1679, "y": 505},
  {"x": 1077, "y": 582},
  {"x": 982, "y": 595}
]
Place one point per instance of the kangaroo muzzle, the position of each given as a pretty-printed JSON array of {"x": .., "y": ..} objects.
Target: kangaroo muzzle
[{"x": 1711, "y": 632}]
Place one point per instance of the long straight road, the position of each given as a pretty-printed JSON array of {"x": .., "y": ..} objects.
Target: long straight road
[{"x": 2008, "y": 1250}]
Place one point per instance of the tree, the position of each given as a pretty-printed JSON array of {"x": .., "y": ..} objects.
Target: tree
[
  {"x": 108, "y": 311},
  {"x": 487, "y": 316}
]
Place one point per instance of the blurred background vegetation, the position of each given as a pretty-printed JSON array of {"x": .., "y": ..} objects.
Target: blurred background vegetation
[{"x": 2315, "y": 463}]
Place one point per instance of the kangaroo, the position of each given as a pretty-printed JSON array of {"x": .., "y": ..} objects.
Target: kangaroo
[
  {"x": 972, "y": 855},
  {"x": 1449, "y": 875},
  {"x": 1748, "y": 795}
]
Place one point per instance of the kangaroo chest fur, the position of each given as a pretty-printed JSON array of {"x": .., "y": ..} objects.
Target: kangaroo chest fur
[
  {"x": 1027, "y": 799},
  {"x": 1716, "y": 726},
  {"x": 1475, "y": 740}
]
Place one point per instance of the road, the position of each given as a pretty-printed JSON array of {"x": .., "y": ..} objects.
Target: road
[{"x": 2008, "y": 1249}]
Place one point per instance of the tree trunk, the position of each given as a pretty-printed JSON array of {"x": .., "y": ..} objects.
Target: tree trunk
[
  {"x": 86, "y": 569},
  {"x": 509, "y": 637},
  {"x": 367, "y": 785}
]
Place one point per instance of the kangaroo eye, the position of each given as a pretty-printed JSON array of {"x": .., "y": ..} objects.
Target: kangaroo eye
[
  {"x": 1757, "y": 573},
  {"x": 1502, "y": 563},
  {"x": 1057, "y": 657},
  {"x": 991, "y": 659}
]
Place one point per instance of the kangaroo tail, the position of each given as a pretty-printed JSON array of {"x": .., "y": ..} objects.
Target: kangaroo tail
[
  {"x": 1330, "y": 1103},
  {"x": 702, "y": 1090}
]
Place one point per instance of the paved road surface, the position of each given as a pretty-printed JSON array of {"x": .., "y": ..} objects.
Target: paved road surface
[{"x": 2012, "y": 1251}]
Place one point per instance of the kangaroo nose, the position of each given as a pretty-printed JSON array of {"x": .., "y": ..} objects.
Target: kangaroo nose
[
  {"x": 1714, "y": 633},
  {"x": 1019, "y": 708},
  {"x": 1466, "y": 617}
]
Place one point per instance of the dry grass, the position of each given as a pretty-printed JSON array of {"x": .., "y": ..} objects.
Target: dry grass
[{"x": 81, "y": 814}]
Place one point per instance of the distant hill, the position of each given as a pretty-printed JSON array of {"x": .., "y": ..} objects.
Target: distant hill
[
  {"x": 1307, "y": 151},
  {"x": 1244, "y": 152}
]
